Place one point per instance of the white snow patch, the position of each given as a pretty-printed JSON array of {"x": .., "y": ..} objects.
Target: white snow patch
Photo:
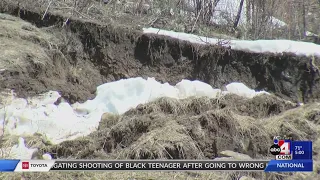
[
  {"x": 258, "y": 46},
  {"x": 277, "y": 22},
  {"x": 308, "y": 33},
  {"x": 188, "y": 88},
  {"x": 66, "y": 122},
  {"x": 242, "y": 90}
]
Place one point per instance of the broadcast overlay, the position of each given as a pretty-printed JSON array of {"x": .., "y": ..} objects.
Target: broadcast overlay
[{"x": 290, "y": 156}]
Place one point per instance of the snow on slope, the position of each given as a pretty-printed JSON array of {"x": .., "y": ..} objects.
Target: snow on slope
[
  {"x": 258, "y": 46},
  {"x": 65, "y": 122}
]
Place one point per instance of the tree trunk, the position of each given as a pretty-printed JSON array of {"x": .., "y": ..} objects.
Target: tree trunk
[
  {"x": 248, "y": 11},
  {"x": 236, "y": 22},
  {"x": 304, "y": 19}
]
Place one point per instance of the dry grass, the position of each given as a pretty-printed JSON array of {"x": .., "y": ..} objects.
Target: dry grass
[
  {"x": 21, "y": 41},
  {"x": 163, "y": 143},
  {"x": 297, "y": 123},
  {"x": 169, "y": 129}
]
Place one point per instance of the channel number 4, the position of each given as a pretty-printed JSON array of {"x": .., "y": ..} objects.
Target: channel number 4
[{"x": 285, "y": 148}]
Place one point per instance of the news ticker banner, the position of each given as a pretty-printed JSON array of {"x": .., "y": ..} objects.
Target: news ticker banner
[{"x": 154, "y": 165}]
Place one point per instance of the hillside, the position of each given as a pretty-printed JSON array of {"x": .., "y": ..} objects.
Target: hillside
[{"x": 55, "y": 68}]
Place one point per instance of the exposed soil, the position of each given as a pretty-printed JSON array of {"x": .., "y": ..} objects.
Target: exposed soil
[{"x": 106, "y": 52}]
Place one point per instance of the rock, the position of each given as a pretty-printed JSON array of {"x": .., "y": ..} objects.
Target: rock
[
  {"x": 46, "y": 156},
  {"x": 223, "y": 158},
  {"x": 38, "y": 155},
  {"x": 59, "y": 100},
  {"x": 235, "y": 155},
  {"x": 246, "y": 178}
]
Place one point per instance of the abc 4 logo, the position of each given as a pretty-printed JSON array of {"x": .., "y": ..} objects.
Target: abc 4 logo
[{"x": 281, "y": 148}]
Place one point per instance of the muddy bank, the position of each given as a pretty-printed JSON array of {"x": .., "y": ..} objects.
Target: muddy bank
[{"x": 109, "y": 52}]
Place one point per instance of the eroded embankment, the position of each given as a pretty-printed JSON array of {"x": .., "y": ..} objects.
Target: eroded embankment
[
  {"x": 195, "y": 128},
  {"x": 106, "y": 53}
]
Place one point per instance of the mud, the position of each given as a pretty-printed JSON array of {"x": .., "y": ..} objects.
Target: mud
[{"x": 109, "y": 52}]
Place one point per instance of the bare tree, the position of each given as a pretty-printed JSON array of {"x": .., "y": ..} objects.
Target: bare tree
[
  {"x": 236, "y": 22},
  {"x": 248, "y": 11},
  {"x": 259, "y": 14},
  {"x": 304, "y": 18}
]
